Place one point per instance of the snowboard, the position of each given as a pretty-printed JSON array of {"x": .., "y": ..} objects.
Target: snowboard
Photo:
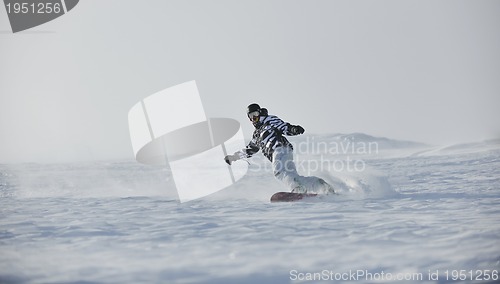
[{"x": 290, "y": 196}]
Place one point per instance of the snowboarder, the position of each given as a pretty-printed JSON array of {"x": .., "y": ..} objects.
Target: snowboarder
[{"x": 268, "y": 136}]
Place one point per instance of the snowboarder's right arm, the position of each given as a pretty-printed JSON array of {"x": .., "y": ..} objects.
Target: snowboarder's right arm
[{"x": 249, "y": 150}]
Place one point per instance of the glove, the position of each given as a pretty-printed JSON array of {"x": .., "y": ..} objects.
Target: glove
[
  {"x": 297, "y": 129},
  {"x": 231, "y": 158}
]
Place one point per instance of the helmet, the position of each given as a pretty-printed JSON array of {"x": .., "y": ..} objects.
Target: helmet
[
  {"x": 252, "y": 108},
  {"x": 253, "y": 113}
]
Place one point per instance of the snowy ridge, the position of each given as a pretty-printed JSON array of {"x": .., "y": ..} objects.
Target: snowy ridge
[
  {"x": 355, "y": 144},
  {"x": 384, "y": 143},
  {"x": 464, "y": 148}
]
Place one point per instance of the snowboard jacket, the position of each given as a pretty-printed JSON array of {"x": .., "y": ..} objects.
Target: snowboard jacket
[{"x": 268, "y": 135}]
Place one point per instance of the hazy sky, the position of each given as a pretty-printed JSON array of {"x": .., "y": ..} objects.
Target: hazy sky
[{"x": 426, "y": 71}]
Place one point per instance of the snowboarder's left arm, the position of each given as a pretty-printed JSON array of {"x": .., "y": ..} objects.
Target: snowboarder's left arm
[
  {"x": 286, "y": 128},
  {"x": 295, "y": 130}
]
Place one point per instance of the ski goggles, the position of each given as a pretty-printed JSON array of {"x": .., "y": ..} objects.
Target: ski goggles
[{"x": 254, "y": 116}]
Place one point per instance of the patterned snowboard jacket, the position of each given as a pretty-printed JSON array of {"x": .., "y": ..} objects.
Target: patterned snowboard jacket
[{"x": 268, "y": 135}]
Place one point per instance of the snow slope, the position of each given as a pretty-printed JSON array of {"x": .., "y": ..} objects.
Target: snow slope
[{"x": 414, "y": 212}]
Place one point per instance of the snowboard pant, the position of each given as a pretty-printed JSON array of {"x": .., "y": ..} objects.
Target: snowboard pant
[{"x": 284, "y": 170}]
